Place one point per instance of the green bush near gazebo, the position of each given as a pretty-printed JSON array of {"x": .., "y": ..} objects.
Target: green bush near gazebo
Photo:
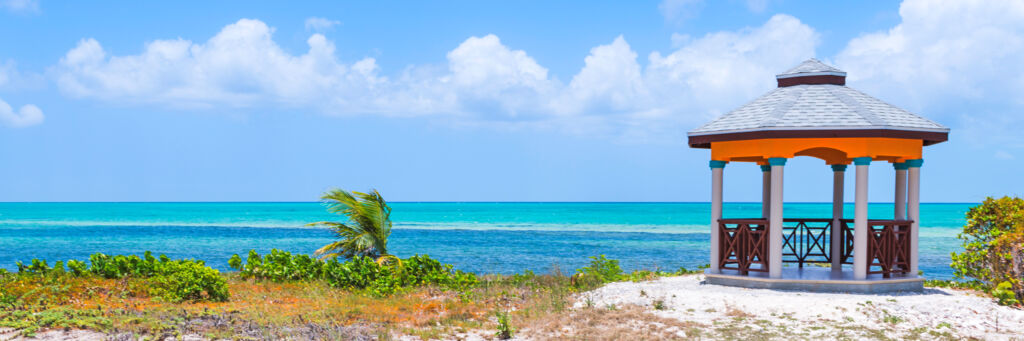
[{"x": 993, "y": 242}]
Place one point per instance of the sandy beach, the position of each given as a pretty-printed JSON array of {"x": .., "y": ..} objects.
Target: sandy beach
[{"x": 729, "y": 312}]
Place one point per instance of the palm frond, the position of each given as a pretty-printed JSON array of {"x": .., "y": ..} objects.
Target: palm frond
[{"x": 368, "y": 228}]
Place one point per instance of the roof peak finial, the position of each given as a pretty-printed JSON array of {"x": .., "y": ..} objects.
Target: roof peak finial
[{"x": 811, "y": 71}]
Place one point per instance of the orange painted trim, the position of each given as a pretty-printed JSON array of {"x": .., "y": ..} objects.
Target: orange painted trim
[{"x": 833, "y": 150}]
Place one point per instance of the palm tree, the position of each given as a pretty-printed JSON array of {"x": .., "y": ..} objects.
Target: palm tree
[{"x": 368, "y": 227}]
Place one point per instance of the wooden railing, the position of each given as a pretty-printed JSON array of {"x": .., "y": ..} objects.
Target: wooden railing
[
  {"x": 806, "y": 241},
  {"x": 743, "y": 244}
]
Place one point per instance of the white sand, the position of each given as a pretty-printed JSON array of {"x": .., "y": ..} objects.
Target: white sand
[{"x": 959, "y": 313}]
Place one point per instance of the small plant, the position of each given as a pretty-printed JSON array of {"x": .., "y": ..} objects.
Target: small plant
[
  {"x": 659, "y": 305},
  {"x": 1004, "y": 294},
  {"x": 891, "y": 319},
  {"x": 602, "y": 269},
  {"x": 235, "y": 262},
  {"x": 505, "y": 330}
]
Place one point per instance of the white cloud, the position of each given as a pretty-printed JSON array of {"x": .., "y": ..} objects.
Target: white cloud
[
  {"x": 6, "y": 72},
  {"x": 957, "y": 62},
  {"x": 317, "y": 24},
  {"x": 241, "y": 66},
  {"x": 483, "y": 80},
  {"x": 719, "y": 71},
  {"x": 28, "y": 115},
  {"x": 679, "y": 10},
  {"x": 942, "y": 51},
  {"x": 20, "y": 6},
  {"x": 485, "y": 72},
  {"x": 611, "y": 80},
  {"x": 757, "y": 6}
]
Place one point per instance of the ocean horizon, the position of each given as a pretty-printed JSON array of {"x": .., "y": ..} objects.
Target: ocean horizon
[{"x": 481, "y": 237}]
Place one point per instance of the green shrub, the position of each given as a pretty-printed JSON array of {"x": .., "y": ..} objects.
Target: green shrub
[
  {"x": 602, "y": 269},
  {"x": 172, "y": 280},
  {"x": 77, "y": 268},
  {"x": 235, "y": 262},
  {"x": 1004, "y": 293},
  {"x": 993, "y": 242},
  {"x": 357, "y": 273},
  {"x": 188, "y": 280}
]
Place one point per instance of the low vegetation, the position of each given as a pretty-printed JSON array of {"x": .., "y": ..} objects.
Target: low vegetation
[
  {"x": 993, "y": 257},
  {"x": 284, "y": 295},
  {"x": 171, "y": 280},
  {"x": 357, "y": 274}
]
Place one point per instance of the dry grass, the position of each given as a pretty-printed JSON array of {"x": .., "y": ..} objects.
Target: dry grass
[
  {"x": 604, "y": 323},
  {"x": 269, "y": 310}
]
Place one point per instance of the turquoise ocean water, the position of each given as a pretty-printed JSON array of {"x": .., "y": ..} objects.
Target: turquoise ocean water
[{"x": 477, "y": 237}]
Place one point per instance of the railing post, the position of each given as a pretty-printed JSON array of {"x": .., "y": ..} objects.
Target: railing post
[
  {"x": 717, "y": 168},
  {"x": 861, "y": 258},
  {"x": 836, "y": 249}
]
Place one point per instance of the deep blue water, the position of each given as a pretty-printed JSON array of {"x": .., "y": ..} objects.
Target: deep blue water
[{"x": 478, "y": 237}]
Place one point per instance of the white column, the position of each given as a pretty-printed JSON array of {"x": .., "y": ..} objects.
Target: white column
[
  {"x": 775, "y": 219},
  {"x": 860, "y": 220},
  {"x": 717, "y": 170},
  {"x": 838, "y": 175},
  {"x": 901, "y": 191},
  {"x": 914, "y": 209},
  {"x": 766, "y": 193}
]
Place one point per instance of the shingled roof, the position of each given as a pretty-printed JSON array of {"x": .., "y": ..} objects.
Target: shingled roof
[{"x": 812, "y": 100}]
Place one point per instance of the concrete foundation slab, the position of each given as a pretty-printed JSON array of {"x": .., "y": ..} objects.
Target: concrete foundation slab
[{"x": 816, "y": 280}]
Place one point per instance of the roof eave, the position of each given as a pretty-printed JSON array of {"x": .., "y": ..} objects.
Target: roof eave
[{"x": 928, "y": 136}]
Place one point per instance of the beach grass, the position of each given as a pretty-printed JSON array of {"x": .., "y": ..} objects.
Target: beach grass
[{"x": 267, "y": 309}]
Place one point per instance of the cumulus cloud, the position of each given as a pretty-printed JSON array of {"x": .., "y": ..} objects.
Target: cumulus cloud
[
  {"x": 240, "y": 66},
  {"x": 943, "y": 50},
  {"x": 20, "y": 6},
  {"x": 483, "y": 80},
  {"x": 28, "y": 115},
  {"x": 679, "y": 10},
  {"x": 317, "y": 24},
  {"x": 721, "y": 70},
  {"x": 958, "y": 62}
]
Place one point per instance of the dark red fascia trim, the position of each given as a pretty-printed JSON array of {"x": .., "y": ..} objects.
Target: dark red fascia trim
[{"x": 929, "y": 138}]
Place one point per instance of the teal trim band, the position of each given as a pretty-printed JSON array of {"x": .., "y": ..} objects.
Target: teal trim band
[
  {"x": 766, "y": 168},
  {"x": 862, "y": 161},
  {"x": 716, "y": 164},
  {"x": 900, "y": 166},
  {"x": 916, "y": 163},
  {"x": 838, "y": 168},
  {"x": 777, "y": 161}
]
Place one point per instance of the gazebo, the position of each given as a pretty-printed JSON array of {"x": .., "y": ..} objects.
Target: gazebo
[{"x": 813, "y": 113}]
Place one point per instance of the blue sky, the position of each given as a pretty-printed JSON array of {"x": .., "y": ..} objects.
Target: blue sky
[{"x": 475, "y": 101}]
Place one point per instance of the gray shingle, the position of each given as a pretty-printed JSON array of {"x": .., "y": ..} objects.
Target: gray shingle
[{"x": 816, "y": 107}]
